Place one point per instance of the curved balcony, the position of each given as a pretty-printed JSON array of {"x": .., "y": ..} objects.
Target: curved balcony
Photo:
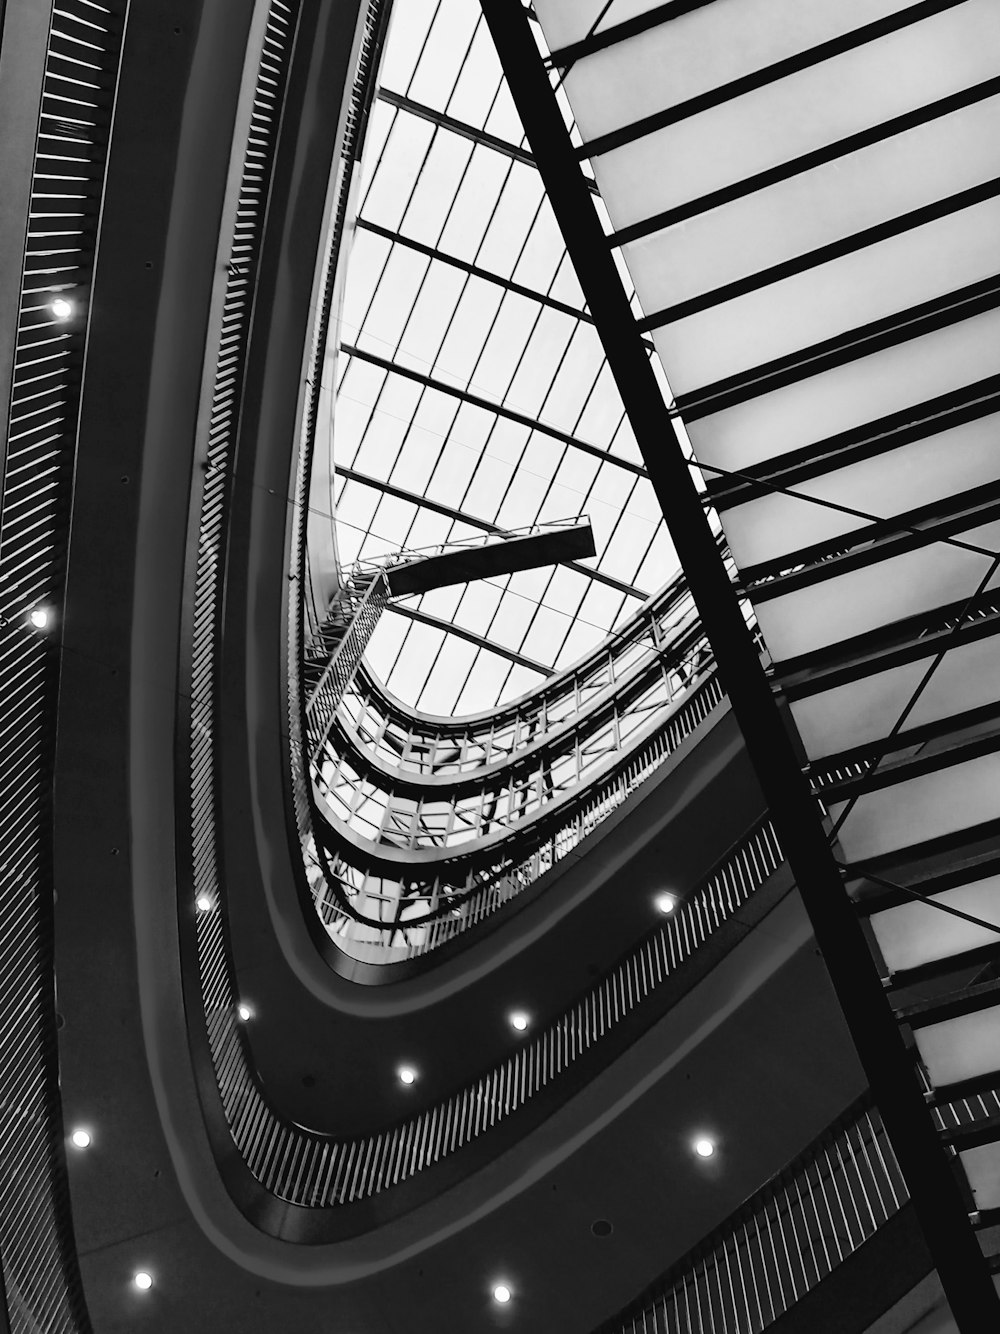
[
  {"x": 294, "y": 1184},
  {"x": 58, "y": 76},
  {"x": 288, "y": 1179},
  {"x": 828, "y": 1245},
  {"x": 568, "y": 756},
  {"x": 299, "y": 1184},
  {"x": 409, "y": 741}
]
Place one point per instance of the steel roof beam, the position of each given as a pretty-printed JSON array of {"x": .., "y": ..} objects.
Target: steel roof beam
[
  {"x": 450, "y": 628},
  {"x": 887, "y": 1063},
  {"x": 508, "y": 414}
]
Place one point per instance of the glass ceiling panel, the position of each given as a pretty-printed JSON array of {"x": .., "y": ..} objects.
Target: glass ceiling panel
[{"x": 473, "y": 393}]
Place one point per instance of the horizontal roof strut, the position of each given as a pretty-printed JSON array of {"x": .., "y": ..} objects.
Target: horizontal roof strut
[
  {"x": 817, "y": 157},
  {"x": 933, "y": 1189},
  {"x": 508, "y": 414},
  {"x": 474, "y": 271},
  {"x": 490, "y": 645},
  {"x": 431, "y": 252},
  {"x": 759, "y": 78},
  {"x": 463, "y": 128},
  {"x": 399, "y": 493},
  {"x": 620, "y": 32}
]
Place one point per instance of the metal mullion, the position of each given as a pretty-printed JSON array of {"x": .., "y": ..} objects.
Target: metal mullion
[{"x": 474, "y": 271}]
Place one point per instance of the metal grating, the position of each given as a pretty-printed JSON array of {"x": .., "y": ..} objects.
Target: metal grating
[{"x": 81, "y": 69}]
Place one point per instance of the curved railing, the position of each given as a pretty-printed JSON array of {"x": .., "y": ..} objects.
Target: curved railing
[
  {"x": 370, "y": 919},
  {"x": 78, "y": 85},
  {"x": 404, "y": 757},
  {"x": 784, "y": 1241},
  {"x": 304, "y": 1169},
  {"x": 394, "y": 873},
  {"x": 408, "y": 740},
  {"x": 392, "y": 881},
  {"x": 791, "y": 1234},
  {"x": 433, "y": 819}
]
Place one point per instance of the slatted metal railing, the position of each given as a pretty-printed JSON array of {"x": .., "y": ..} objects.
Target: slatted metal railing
[
  {"x": 780, "y": 1245},
  {"x": 313, "y": 1170},
  {"x": 80, "y": 76},
  {"x": 301, "y": 604},
  {"x": 363, "y": 603},
  {"x": 410, "y": 926}
]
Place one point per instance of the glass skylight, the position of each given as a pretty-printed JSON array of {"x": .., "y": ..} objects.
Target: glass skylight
[{"x": 473, "y": 395}]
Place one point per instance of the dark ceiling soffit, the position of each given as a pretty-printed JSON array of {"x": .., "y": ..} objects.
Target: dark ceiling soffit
[
  {"x": 448, "y": 512},
  {"x": 889, "y": 1068},
  {"x": 449, "y": 627}
]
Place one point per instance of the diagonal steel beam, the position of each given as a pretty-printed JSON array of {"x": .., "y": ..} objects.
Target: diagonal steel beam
[
  {"x": 888, "y": 1065},
  {"x": 448, "y": 512},
  {"x": 473, "y": 270},
  {"x": 462, "y": 128},
  {"x": 490, "y": 645},
  {"x": 476, "y": 401}
]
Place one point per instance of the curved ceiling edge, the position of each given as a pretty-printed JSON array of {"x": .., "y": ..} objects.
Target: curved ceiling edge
[
  {"x": 331, "y": 975},
  {"x": 148, "y": 616},
  {"x": 164, "y": 992}
]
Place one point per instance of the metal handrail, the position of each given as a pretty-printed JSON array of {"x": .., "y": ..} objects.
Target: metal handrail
[
  {"x": 543, "y": 774},
  {"x": 445, "y": 909},
  {"x": 41, "y": 1275},
  {"x": 378, "y": 743},
  {"x": 668, "y": 606},
  {"x": 313, "y": 1170},
  {"x": 784, "y": 1241},
  {"x": 365, "y": 608}
]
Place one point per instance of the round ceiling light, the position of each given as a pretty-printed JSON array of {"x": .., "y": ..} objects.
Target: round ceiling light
[
  {"x": 665, "y": 903},
  {"x": 704, "y": 1148},
  {"x": 61, "y": 308},
  {"x": 81, "y": 1138},
  {"x": 407, "y": 1075},
  {"x": 142, "y": 1280},
  {"x": 519, "y": 1020},
  {"x": 39, "y": 617},
  {"x": 502, "y": 1294}
]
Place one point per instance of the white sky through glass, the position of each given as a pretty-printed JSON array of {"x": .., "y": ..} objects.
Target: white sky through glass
[{"x": 458, "y": 287}]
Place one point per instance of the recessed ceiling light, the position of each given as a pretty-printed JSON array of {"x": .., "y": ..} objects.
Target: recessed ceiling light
[
  {"x": 519, "y": 1020},
  {"x": 81, "y": 1138},
  {"x": 704, "y": 1148},
  {"x": 204, "y": 903},
  {"x": 407, "y": 1075},
  {"x": 501, "y": 1293},
  {"x": 61, "y": 308},
  {"x": 143, "y": 1280},
  {"x": 244, "y": 1011},
  {"x": 665, "y": 903},
  {"x": 39, "y": 617}
]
